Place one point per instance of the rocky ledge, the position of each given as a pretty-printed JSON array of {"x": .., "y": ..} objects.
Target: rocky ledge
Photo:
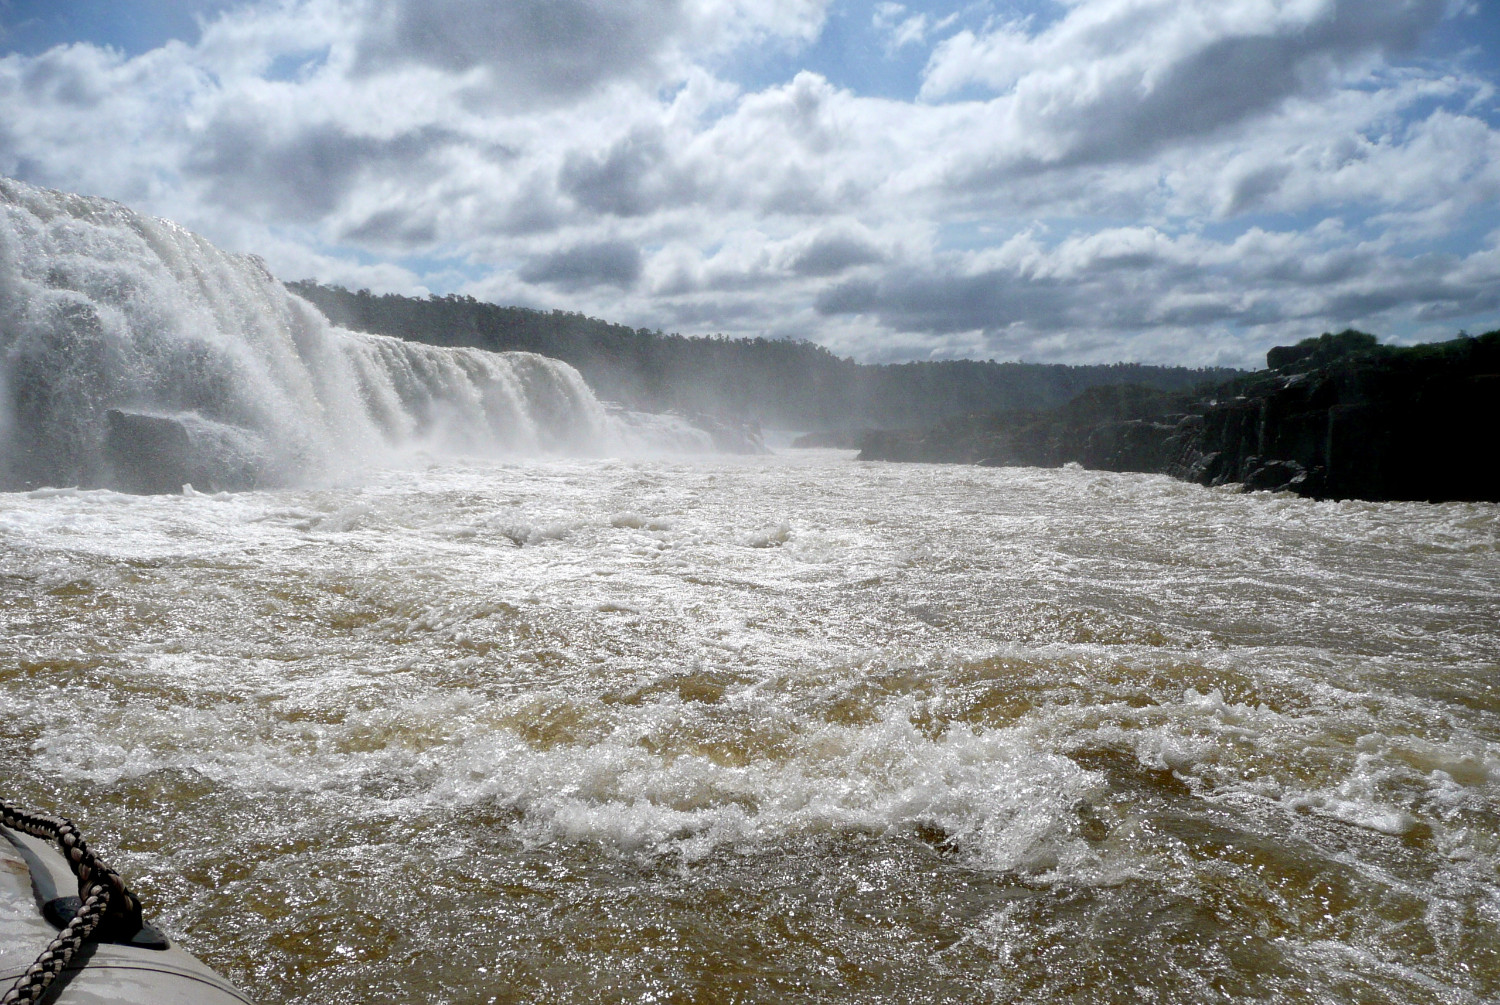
[
  {"x": 1335, "y": 417},
  {"x": 154, "y": 454}
]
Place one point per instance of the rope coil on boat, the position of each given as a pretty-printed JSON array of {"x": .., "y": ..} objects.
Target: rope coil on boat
[{"x": 107, "y": 904}]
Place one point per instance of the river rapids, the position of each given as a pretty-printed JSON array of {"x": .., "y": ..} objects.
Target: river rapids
[
  {"x": 792, "y": 728},
  {"x": 482, "y": 692}
]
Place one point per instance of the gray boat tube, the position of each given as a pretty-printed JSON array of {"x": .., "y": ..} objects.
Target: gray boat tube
[{"x": 37, "y": 898}]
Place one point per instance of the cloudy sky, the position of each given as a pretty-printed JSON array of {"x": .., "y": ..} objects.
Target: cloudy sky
[{"x": 1051, "y": 180}]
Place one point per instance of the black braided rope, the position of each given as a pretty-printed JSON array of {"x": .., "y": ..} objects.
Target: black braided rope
[{"x": 107, "y": 904}]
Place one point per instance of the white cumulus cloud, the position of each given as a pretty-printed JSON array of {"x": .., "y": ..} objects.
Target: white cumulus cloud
[{"x": 1186, "y": 181}]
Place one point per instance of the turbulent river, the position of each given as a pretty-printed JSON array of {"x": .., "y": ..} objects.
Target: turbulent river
[{"x": 779, "y": 729}]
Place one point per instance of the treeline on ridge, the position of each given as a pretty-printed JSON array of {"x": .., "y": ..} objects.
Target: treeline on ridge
[
  {"x": 1339, "y": 416},
  {"x": 786, "y": 384}
]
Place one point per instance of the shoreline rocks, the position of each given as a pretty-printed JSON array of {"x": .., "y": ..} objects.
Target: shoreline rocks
[{"x": 1340, "y": 417}]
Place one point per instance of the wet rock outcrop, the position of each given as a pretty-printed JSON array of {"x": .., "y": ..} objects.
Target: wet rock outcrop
[
  {"x": 150, "y": 454},
  {"x": 1336, "y": 417},
  {"x": 146, "y": 454}
]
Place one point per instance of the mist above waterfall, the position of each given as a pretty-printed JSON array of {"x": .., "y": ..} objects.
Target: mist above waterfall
[{"x": 123, "y": 337}]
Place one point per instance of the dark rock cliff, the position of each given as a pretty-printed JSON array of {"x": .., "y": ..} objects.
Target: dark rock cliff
[
  {"x": 155, "y": 454},
  {"x": 1336, "y": 417}
]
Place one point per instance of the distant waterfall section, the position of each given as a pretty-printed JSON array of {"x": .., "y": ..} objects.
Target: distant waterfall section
[{"x": 136, "y": 355}]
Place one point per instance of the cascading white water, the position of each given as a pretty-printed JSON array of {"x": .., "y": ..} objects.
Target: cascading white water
[{"x": 104, "y": 310}]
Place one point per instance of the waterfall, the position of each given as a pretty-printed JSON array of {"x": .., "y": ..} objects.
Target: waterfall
[{"x": 134, "y": 352}]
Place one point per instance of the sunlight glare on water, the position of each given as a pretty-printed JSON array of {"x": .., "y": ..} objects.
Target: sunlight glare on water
[{"x": 791, "y": 728}]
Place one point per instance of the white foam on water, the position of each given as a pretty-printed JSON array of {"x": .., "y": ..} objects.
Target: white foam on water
[{"x": 1136, "y": 700}]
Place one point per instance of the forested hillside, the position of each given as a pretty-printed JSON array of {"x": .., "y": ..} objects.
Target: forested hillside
[
  {"x": 1338, "y": 416},
  {"x": 780, "y": 383}
]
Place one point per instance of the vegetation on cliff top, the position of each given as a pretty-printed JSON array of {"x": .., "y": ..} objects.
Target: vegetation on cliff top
[
  {"x": 1337, "y": 416},
  {"x": 780, "y": 383}
]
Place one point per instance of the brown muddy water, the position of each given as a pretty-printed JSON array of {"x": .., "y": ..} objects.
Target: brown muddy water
[{"x": 785, "y": 729}]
